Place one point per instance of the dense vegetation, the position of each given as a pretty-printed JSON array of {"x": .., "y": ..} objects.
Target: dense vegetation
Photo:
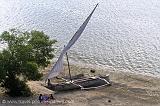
[{"x": 25, "y": 54}]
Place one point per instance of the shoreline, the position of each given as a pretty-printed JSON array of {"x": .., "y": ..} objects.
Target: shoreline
[
  {"x": 111, "y": 69},
  {"x": 126, "y": 89}
]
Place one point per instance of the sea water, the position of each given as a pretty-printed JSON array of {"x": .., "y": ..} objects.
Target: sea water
[{"x": 122, "y": 35}]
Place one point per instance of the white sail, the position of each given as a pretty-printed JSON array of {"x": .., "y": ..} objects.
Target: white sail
[
  {"x": 58, "y": 67},
  {"x": 79, "y": 32}
]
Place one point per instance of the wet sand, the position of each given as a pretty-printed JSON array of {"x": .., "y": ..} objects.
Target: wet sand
[{"x": 127, "y": 90}]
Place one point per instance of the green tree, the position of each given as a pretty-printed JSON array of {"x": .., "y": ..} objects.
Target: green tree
[{"x": 21, "y": 60}]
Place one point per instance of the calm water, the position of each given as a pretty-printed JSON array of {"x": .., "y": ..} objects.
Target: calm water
[{"x": 122, "y": 34}]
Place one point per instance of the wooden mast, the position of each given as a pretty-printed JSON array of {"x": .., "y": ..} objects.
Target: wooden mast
[
  {"x": 70, "y": 77},
  {"x": 69, "y": 67}
]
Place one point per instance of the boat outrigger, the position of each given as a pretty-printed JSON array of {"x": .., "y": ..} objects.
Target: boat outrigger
[
  {"x": 82, "y": 83},
  {"x": 79, "y": 81}
]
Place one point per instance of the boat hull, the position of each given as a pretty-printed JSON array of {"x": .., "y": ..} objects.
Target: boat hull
[{"x": 82, "y": 83}]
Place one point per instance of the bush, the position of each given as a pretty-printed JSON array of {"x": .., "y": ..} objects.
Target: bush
[
  {"x": 16, "y": 87},
  {"x": 25, "y": 54}
]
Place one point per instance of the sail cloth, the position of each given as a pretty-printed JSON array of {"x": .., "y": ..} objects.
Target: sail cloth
[
  {"x": 58, "y": 67},
  {"x": 79, "y": 32}
]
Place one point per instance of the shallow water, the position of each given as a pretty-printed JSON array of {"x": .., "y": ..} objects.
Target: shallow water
[{"x": 121, "y": 35}]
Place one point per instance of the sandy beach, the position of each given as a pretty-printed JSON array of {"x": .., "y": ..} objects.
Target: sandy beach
[{"x": 127, "y": 90}]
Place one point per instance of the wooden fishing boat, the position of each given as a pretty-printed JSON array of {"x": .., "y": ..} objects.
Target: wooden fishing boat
[{"x": 80, "y": 83}]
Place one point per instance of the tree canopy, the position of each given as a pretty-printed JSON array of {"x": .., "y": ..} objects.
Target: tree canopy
[{"x": 21, "y": 60}]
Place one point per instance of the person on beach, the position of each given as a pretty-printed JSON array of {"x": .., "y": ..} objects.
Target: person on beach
[
  {"x": 45, "y": 97},
  {"x": 49, "y": 82},
  {"x": 40, "y": 98},
  {"x": 51, "y": 97}
]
